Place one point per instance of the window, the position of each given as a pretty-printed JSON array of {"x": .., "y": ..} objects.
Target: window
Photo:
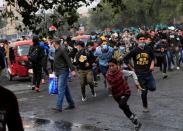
[{"x": 23, "y": 50}]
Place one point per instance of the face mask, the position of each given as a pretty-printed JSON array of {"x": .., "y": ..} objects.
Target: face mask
[
  {"x": 104, "y": 49},
  {"x": 148, "y": 43},
  {"x": 93, "y": 37},
  {"x": 141, "y": 44},
  {"x": 115, "y": 47},
  {"x": 122, "y": 49}
]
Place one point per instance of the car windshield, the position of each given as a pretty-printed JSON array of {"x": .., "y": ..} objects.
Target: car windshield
[
  {"x": 23, "y": 50},
  {"x": 85, "y": 40}
]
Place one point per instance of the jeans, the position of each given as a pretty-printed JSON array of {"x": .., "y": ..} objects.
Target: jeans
[
  {"x": 170, "y": 59},
  {"x": 147, "y": 82},
  {"x": 181, "y": 56},
  {"x": 123, "y": 105},
  {"x": 51, "y": 64},
  {"x": 63, "y": 89},
  {"x": 94, "y": 70},
  {"x": 103, "y": 70}
]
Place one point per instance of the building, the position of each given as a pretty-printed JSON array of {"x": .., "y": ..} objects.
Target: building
[{"x": 10, "y": 29}]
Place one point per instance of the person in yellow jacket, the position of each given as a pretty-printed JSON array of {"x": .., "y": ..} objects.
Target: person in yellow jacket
[{"x": 119, "y": 53}]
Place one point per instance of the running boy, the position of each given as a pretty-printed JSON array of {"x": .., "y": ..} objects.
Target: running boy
[{"x": 120, "y": 90}]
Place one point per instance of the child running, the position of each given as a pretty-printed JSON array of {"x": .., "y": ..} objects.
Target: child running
[{"x": 120, "y": 90}]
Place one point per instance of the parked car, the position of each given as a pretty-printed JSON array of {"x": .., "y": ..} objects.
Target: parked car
[
  {"x": 84, "y": 38},
  {"x": 20, "y": 65}
]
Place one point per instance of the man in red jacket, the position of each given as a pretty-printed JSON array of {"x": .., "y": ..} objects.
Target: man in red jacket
[{"x": 120, "y": 90}]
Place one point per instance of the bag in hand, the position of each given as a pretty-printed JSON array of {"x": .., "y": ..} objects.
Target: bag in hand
[{"x": 53, "y": 84}]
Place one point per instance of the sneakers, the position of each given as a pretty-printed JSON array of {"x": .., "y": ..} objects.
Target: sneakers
[
  {"x": 95, "y": 84},
  {"x": 37, "y": 89},
  {"x": 178, "y": 68},
  {"x": 43, "y": 81},
  {"x": 69, "y": 107},
  {"x": 33, "y": 87},
  {"x": 135, "y": 121},
  {"x": 56, "y": 109},
  {"x": 165, "y": 75},
  {"x": 94, "y": 95},
  {"x": 138, "y": 126},
  {"x": 145, "y": 110},
  {"x": 83, "y": 99}
]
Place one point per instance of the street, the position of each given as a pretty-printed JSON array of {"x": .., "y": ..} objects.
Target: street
[{"x": 101, "y": 113}]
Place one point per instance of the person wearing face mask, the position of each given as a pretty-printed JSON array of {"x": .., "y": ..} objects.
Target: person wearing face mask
[
  {"x": 143, "y": 65},
  {"x": 119, "y": 53},
  {"x": 174, "y": 41},
  {"x": 104, "y": 53},
  {"x": 160, "y": 51},
  {"x": 84, "y": 62},
  {"x": 91, "y": 49}
]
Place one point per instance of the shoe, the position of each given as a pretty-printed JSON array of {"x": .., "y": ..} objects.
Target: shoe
[
  {"x": 138, "y": 126},
  {"x": 94, "y": 95},
  {"x": 56, "y": 109},
  {"x": 110, "y": 94},
  {"x": 170, "y": 69},
  {"x": 95, "y": 84},
  {"x": 69, "y": 108},
  {"x": 37, "y": 89},
  {"x": 33, "y": 87},
  {"x": 83, "y": 99},
  {"x": 105, "y": 84},
  {"x": 136, "y": 122},
  {"x": 145, "y": 110},
  {"x": 43, "y": 81},
  {"x": 98, "y": 77},
  {"x": 178, "y": 68},
  {"x": 165, "y": 75}
]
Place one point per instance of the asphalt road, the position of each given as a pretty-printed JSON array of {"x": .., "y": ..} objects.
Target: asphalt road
[{"x": 101, "y": 113}]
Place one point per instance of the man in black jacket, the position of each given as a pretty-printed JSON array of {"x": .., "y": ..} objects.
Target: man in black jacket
[
  {"x": 9, "y": 111},
  {"x": 85, "y": 60},
  {"x": 62, "y": 64}
]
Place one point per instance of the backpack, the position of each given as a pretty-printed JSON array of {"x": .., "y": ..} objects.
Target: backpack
[{"x": 35, "y": 54}]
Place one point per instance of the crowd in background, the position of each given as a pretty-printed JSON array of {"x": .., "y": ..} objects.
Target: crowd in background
[{"x": 106, "y": 53}]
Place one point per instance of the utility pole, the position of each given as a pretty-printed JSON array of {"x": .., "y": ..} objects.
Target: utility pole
[
  {"x": 174, "y": 21},
  {"x": 45, "y": 19},
  {"x": 15, "y": 4}
]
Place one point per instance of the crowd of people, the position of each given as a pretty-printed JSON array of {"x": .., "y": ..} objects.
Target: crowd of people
[{"x": 116, "y": 55}]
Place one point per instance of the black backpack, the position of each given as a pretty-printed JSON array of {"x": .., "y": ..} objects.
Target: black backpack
[{"x": 35, "y": 54}]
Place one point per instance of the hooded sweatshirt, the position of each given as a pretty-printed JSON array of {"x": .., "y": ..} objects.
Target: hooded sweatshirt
[{"x": 118, "y": 84}]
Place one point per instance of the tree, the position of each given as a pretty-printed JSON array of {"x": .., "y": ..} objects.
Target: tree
[
  {"x": 2, "y": 22},
  {"x": 137, "y": 13},
  {"x": 67, "y": 8}
]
